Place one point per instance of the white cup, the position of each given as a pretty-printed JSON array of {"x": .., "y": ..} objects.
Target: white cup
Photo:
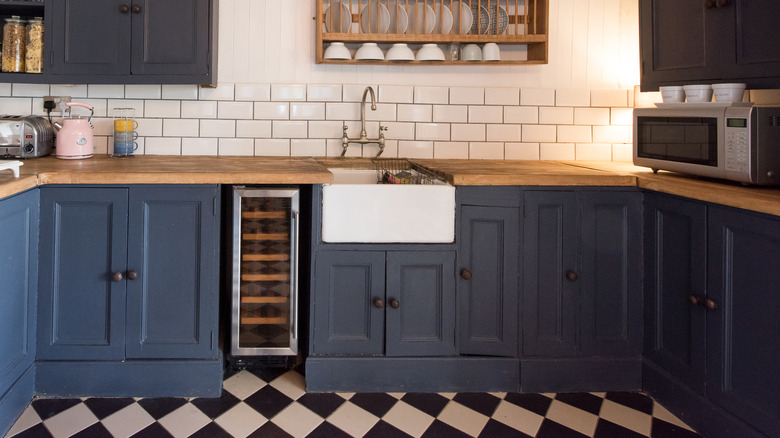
[
  {"x": 672, "y": 94},
  {"x": 471, "y": 52},
  {"x": 491, "y": 52}
]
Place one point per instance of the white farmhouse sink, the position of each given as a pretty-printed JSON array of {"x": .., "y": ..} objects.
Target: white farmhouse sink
[{"x": 356, "y": 209}]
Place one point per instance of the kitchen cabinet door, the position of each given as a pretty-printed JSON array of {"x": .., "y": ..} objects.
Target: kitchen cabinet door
[
  {"x": 550, "y": 269},
  {"x": 420, "y": 303},
  {"x": 743, "y": 354},
  {"x": 81, "y": 311},
  {"x": 172, "y": 272},
  {"x": 488, "y": 253},
  {"x": 676, "y": 267},
  {"x": 349, "y": 300}
]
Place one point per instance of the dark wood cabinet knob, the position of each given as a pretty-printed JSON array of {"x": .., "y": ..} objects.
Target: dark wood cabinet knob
[
  {"x": 709, "y": 304},
  {"x": 394, "y": 303},
  {"x": 116, "y": 277},
  {"x": 465, "y": 274},
  {"x": 123, "y": 8},
  {"x": 709, "y": 4},
  {"x": 722, "y": 3},
  {"x": 136, "y": 9},
  {"x": 132, "y": 275},
  {"x": 694, "y": 299},
  {"x": 378, "y": 303},
  {"x": 572, "y": 276}
]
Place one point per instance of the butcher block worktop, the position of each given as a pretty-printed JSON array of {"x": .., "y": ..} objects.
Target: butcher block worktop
[{"x": 146, "y": 169}]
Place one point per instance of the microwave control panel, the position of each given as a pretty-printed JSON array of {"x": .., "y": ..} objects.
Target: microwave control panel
[{"x": 737, "y": 144}]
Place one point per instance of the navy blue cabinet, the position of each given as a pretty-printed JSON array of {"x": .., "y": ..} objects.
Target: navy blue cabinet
[
  {"x": 18, "y": 284},
  {"x": 394, "y": 303},
  {"x": 127, "y": 274}
]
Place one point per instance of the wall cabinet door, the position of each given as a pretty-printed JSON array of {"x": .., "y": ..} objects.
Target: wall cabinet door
[
  {"x": 81, "y": 312},
  {"x": 743, "y": 354},
  {"x": 488, "y": 253},
  {"x": 420, "y": 303},
  {"x": 676, "y": 268},
  {"x": 172, "y": 272}
]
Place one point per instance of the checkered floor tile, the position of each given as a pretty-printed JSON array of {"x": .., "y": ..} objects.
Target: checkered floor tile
[{"x": 274, "y": 403}]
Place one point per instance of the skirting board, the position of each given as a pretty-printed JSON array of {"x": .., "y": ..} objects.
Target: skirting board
[
  {"x": 15, "y": 400},
  {"x": 581, "y": 374}
]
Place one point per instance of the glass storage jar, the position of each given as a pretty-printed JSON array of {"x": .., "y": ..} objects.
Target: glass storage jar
[
  {"x": 14, "y": 43},
  {"x": 33, "y": 61}
]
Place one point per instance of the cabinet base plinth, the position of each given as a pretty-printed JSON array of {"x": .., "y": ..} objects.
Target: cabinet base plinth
[
  {"x": 581, "y": 374},
  {"x": 15, "y": 399}
]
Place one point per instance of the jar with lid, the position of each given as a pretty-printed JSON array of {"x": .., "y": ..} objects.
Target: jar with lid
[
  {"x": 33, "y": 62},
  {"x": 14, "y": 43}
]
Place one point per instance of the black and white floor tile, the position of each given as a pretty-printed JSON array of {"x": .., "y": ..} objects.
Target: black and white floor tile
[{"x": 274, "y": 403}]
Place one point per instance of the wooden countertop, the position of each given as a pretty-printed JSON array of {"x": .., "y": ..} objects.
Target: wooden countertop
[{"x": 147, "y": 169}]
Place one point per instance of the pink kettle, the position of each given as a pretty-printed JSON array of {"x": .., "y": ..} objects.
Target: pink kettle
[{"x": 74, "y": 136}]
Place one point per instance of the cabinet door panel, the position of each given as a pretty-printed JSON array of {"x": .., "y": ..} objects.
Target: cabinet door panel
[
  {"x": 424, "y": 285},
  {"x": 346, "y": 285},
  {"x": 90, "y": 37},
  {"x": 743, "y": 354},
  {"x": 550, "y": 250},
  {"x": 172, "y": 305},
  {"x": 171, "y": 37},
  {"x": 611, "y": 280},
  {"x": 489, "y": 246},
  {"x": 757, "y": 32},
  {"x": 83, "y": 241},
  {"x": 676, "y": 267}
]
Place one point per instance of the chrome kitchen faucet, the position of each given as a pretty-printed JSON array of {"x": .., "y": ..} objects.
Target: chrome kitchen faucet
[{"x": 363, "y": 139}]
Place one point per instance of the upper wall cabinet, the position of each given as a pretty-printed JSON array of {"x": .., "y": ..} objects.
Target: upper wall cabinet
[
  {"x": 709, "y": 41},
  {"x": 124, "y": 41}
]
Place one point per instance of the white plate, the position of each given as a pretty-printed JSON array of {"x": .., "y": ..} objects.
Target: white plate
[
  {"x": 465, "y": 20},
  {"x": 399, "y": 23},
  {"x": 368, "y": 19},
  {"x": 443, "y": 19},
  {"x": 422, "y": 19},
  {"x": 707, "y": 104},
  {"x": 340, "y": 23}
]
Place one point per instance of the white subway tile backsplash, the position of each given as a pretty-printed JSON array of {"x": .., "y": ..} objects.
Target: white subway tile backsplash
[
  {"x": 199, "y": 109},
  {"x": 151, "y": 127},
  {"x": 556, "y": 115},
  {"x": 591, "y": 116},
  {"x": 593, "y": 151},
  {"x": 253, "y": 92},
  {"x": 521, "y": 114},
  {"x": 112, "y": 107},
  {"x": 236, "y": 146},
  {"x": 612, "y": 134},
  {"x": 218, "y": 128},
  {"x": 323, "y": 93},
  {"x": 486, "y": 151},
  {"x": 391, "y": 150},
  {"x": 325, "y": 129},
  {"x": 354, "y": 93},
  {"x": 162, "y": 108},
  {"x": 537, "y": 97},
  {"x": 572, "y": 98},
  {"x": 433, "y": 131},
  {"x": 574, "y": 134},
  {"x": 415, "y": 113},
  {"x": 181, "y": 127},
  {"x": 504, "y": 133},
  {"x": 502, "y": 96},
  {"x": 609, "y": 98},
  {"x": 451, "y": 150},
  {"x": 396, "y": 94},
  {"x": 6, "y": 89},
  {"x": 307, "y": 111},
  {"x": 432, "y": 95},
  {"x": 180, "y": 92},
  {"x": 622, "y": 116},
  {"x": 467, "y": 132},
  {"x": 467, "y": 96},
  {"x": 521, "y": 151},
  {"x": 342, "y": 111},
  {"x": 99, "y": 108},
  {"x": 451, "y": 113},
  {"x": 220, "y": 92},
  {"x": 235, "y": 110},
  {"x": 199, "y": 146},
  {"x": 30, "y": 90},
  {"x": 333, "y": 148},
  {"x": 539, "y": 133},
  {"x": 308, "y": 148},
  {"x": 272, "y": 147},
  {"x": 556, "y": 151},
  {"x": 622, "y": 152},
  {"x": 486, "y": 114},
  {"x": 253, "y": 128},
  {"x": 162, "y": 146},
  {"x": 415, "y": 149},
  {"x": 98, "y": 91},
  {"x": 288, "y": 92},
  {"x": 100, "y": 145},
  {"x": 289, "y": 129},
  {"x": 272, "y": 110},
  {"x": 131, "y": 91},
  {"x": 383, "y": 113},
  {"x": 399, "y": 130}
]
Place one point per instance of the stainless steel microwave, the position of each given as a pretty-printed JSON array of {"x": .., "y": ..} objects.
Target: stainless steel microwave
[{"x": 738, "y": 143}]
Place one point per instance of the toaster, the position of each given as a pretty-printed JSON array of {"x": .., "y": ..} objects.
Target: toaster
[{"x": 25, "y": 136}]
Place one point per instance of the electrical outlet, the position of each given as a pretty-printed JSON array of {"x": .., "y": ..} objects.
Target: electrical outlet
[{"x": 59, "y": 103}]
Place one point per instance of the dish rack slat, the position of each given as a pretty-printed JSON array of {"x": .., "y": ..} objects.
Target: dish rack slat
[{"x": 520, "y": 27}]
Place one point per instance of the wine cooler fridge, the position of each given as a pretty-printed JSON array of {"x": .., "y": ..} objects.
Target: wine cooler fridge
[{"x": 265, "y": 270}]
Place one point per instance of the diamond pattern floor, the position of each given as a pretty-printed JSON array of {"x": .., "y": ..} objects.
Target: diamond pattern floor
[{"x": 274, "y": 403}]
